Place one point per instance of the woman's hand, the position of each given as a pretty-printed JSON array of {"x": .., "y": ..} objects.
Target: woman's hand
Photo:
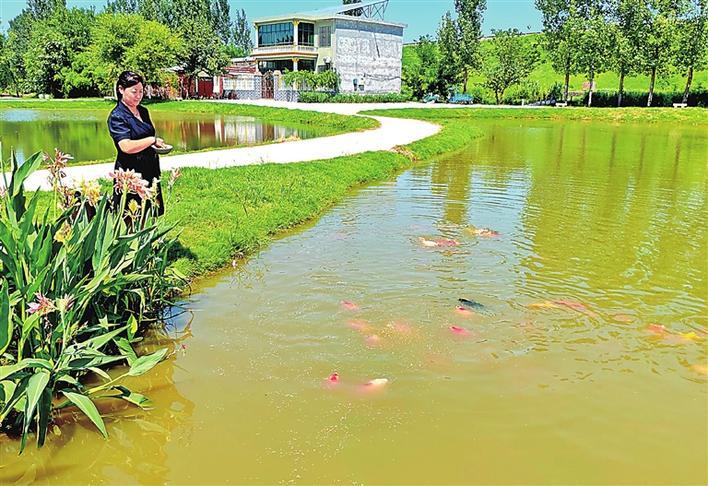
[{"x": 159, "y": 143}]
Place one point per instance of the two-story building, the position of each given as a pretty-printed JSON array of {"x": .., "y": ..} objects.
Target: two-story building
[{"x": 353, "y": 39}]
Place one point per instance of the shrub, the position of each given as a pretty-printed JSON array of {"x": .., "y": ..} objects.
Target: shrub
[
  {"x": 697, "y": 97},
  {"x": 326, "y": 97},
  {"x": 75, "y": 291}
]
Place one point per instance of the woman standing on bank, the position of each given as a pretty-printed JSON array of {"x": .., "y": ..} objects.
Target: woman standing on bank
[{"x": 134, "y": 135}]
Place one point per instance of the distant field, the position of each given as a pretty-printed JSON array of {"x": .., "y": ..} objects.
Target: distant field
[{"x": 545, "y": 76}]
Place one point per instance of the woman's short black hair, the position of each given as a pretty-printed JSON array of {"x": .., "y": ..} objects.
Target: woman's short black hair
[{"x": 126, "y": 80}]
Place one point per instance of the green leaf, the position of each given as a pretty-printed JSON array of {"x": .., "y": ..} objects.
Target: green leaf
[
  {"x": 135, "y": 398},
  {"x": 7, "y": 388},
  {"x": 132, "y": 326},
  {"x": 6, "y": 324},
  {"x": 85, "y": 404},
  {"x": 145, "y": 363},
  {"x": 126, "y": 350},
  {"x": 35, "y": 387},
  {"x": 6, "y": 371}
]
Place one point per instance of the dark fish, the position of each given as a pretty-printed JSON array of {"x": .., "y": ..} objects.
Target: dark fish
[{"x": 474, "y": 305}]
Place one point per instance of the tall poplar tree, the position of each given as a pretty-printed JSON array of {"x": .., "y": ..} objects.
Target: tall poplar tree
[
  {"x": 469, "y": 27},
  {"x": 692, "y": 45},
  {"x": 562, "y": 32},
  {"x": 627, "y": 18}
]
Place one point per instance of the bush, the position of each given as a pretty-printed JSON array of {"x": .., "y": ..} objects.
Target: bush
[
  {"x": 328, "y": 97},
  {"x": 601, "y": 99},
  {"x": 75, "y": 291}
]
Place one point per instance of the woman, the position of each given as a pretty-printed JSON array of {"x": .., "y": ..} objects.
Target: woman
[{"x": 134, "y": 135}]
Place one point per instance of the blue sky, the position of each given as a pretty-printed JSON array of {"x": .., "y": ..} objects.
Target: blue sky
[{"x": 422, "y": 16}]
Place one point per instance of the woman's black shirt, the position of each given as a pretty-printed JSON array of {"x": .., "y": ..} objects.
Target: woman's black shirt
[{"x": 123, "y": 125}]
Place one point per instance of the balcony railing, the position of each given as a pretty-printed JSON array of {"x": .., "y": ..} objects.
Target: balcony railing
[{"x": 285, "y": 48}]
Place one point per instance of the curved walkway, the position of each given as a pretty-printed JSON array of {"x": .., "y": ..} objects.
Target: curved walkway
[{"x": 392, "y": 132}]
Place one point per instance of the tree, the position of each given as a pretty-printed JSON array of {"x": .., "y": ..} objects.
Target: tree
[
  {"x": 469, "y": 27},
  {"x": 128, "y": 42},
  {"x": 421, "y": 74},
  {"x": 692, "y": 45},
  {"x": 122, "y": 6},
  {"x": 221, "y": 19},
  {"x": 659, "y": 34},
  {"x": 241, "y": 36},
  {"x": 41, "y": 9},
  {"x": 450, "y": 65},
  {"x": 15, "y": 46},
  {"x": 509, "y": 61},
  {"x": 562, "y": 29},
  {"x": 54, "y": 43},
  {"x": 627, "y": 20},
  {"x": 203, "y": 50},
  {"x": 594, "y": 48}
]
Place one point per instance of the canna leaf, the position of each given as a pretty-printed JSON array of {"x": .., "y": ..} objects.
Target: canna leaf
[
  {"x": 145, "y": 363},
  {"x": 89, "y": 409}
]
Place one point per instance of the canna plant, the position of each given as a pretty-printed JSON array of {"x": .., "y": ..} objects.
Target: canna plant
[{"x": 77, "y": 288}]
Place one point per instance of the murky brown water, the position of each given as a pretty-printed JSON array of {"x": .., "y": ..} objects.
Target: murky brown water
[{"x": 609, "y": 221}]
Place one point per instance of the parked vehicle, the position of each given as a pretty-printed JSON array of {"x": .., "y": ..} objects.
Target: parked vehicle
[{"x": 460, "y": 98}]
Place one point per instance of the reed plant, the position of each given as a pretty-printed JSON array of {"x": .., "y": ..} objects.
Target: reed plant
[{"x": 78, "y": 285}]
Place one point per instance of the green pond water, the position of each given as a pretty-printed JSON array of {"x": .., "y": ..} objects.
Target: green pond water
[
  {"x": 565, "y": 377},
  {"x": 84, "y": 133}
]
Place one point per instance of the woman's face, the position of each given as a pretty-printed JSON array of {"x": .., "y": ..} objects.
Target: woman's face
[{"x": 132, "y": 95}]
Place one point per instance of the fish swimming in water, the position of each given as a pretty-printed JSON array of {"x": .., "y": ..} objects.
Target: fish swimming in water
[
  {"x": 474, "y": 305},
  {"x": 460, "y": 331}
]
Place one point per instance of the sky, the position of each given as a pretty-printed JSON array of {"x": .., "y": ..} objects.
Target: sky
[{"x": 422, "y": 16}]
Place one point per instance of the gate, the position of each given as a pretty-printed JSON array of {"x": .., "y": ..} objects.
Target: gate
[{"x": 268, "y": 86}]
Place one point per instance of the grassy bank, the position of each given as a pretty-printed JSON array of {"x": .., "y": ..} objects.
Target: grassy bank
[
  {"x": 691, "y": 116},
  {"x": 235, "y": 211}
]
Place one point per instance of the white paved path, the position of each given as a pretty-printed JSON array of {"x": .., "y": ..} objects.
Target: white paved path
[{"x": 392, "y": 132}]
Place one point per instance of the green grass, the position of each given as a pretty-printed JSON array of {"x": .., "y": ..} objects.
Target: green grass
[{"x": 691, "y": 116}]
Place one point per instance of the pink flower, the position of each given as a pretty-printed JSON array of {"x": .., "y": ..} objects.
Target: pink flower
[
  {"x": 131, "y": 182},
  {"x": 43, "y": 305}
]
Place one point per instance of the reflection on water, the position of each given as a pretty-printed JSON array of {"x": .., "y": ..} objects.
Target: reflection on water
[
  {"x": 84, "y": 134},
  {"x": 567, "y": 378}
]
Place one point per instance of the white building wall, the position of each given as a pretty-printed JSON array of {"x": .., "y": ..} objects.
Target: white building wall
[{"x": 369, "y": 53}]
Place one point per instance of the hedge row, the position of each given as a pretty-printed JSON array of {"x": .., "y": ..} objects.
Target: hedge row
[{"x": 323, "y": 97}]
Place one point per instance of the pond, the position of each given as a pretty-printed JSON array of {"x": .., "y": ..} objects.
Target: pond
[
  {"x": 84, "y": 133},
  {"x": 586, "y": 364}
]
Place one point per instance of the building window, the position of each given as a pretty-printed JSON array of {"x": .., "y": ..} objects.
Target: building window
[
  {"x": 278, "y": 65},
  {"x": 306, "y": 34},
  {"x": 306, "y": 65},
  {"x": 275, "y": 34},
  {"x": 326, "y": 36}
]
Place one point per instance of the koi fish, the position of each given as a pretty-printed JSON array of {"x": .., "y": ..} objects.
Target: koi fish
[
  {"x": 623, "y": 318},
  {"x": 333, "y": 378},
  {"x": 576, "y": 306},
  {"x": 546, "y": 304},
  {"x": 473, "y": 305},
  {"x": 348, "y": 305},
  {"x": 460, "y": 331},
  {"x": 440, "y": 242},
  {"x": 376, "y": 383},
  {"x": 658, "y": 329},
  {"x": 359, "y": 325},
  {"x": 483, "y": 232},
  {"x": 463, "y": 311},
  {"x": 373, "y": 340}
]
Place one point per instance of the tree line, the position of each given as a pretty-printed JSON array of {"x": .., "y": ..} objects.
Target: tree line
[
  {"x": 588, "y": 37},
  {"x": 70, "y": 52}
]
